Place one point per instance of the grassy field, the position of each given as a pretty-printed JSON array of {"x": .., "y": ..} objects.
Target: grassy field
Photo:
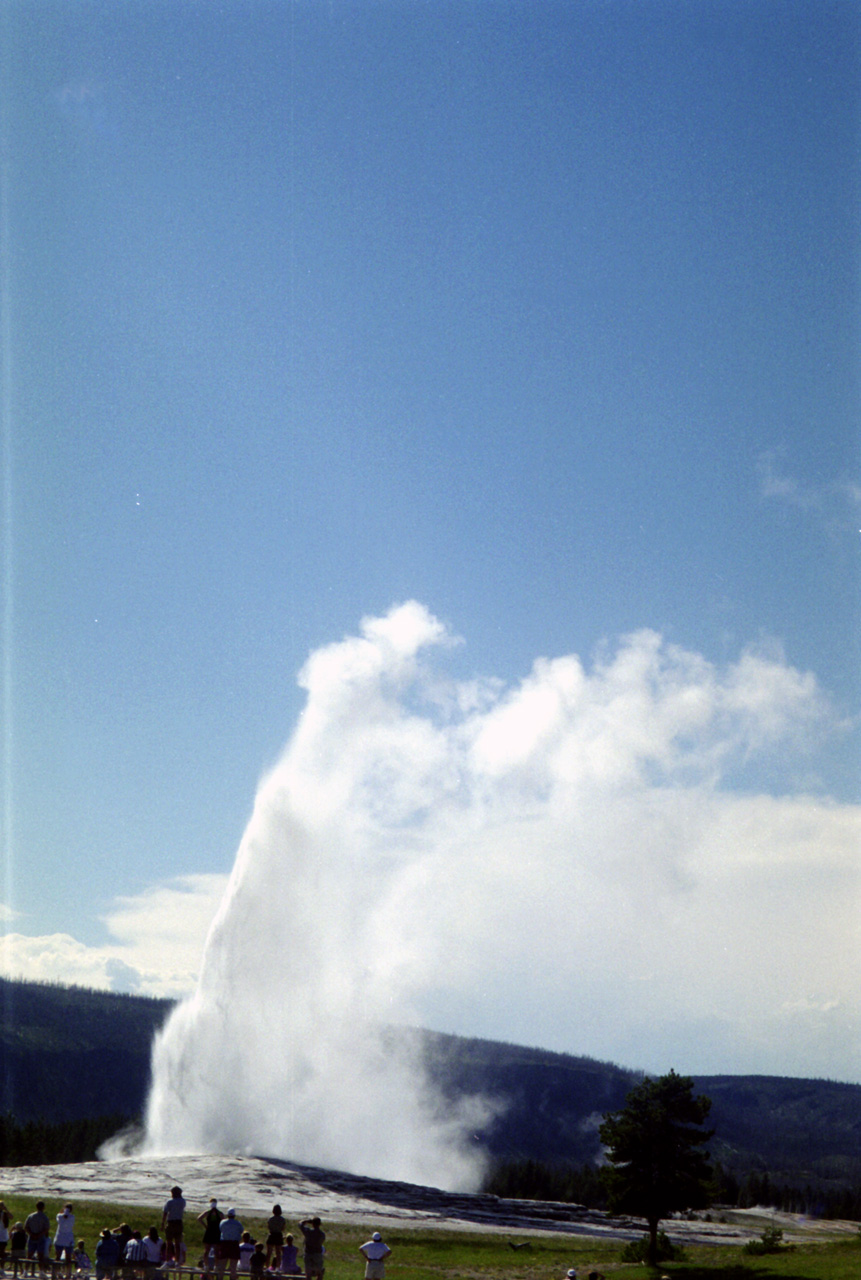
[{"x": 433, "y": 1254}]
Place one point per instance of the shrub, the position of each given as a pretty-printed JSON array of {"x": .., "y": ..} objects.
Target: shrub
[
  {"x": 771, "y": 1241},
  {"x": 638, "y": 1250}
]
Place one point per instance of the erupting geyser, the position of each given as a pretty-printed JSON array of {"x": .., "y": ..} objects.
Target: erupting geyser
[
  {"x": 546, "y": 864},
  {"x": 289, "y": 1045}
]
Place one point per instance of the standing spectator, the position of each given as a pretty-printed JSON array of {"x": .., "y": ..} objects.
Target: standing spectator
[
  {"x": 5, "y": 1222},
  {"x": 210, "y": 1220},
  {"x": 314, "y": 1247},
  {"x": 64, "y": 1238},
  {"x": 275, "y": 1238},
  {"x": 230, "y": 1233},
  {"x": 107, "y": 1254},
  {"x": 257, "y": 1261},
  {"x": 171, "y": 1224},
  {"x": 375, "y": 1252},
  {"x": 38, "y": 1229}
]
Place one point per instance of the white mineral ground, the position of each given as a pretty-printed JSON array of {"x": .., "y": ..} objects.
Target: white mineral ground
[{"x": 253, "y": 1185}]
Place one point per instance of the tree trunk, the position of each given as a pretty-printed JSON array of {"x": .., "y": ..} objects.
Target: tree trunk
[{"x": 653, "y": 1241}]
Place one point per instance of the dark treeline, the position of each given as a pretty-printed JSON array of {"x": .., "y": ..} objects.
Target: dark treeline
[
  {"x": 583, "y": 1184},
  {"x": 66, "y": 1142},
  {"x": 816, "y": 1199},
  {"x": 534, "y": 1180}
]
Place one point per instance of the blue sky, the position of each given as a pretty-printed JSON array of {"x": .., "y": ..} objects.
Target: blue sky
[{"x": 544, "y": 315}]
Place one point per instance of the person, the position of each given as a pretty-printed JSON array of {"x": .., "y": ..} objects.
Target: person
[
  {"x": 257, "y": 1261},
  {"x": 314, "y": 1247},
  {"x": 209, "y": 1220},
  {"x": 246, "y": 1248},
  {"x": 17, "y": 1242},
  {"x": 122, "y": 1233},
  {"x": 5, "y": 1222},
  {"x": 275, "y": 1238},
  {"x": 154, "y": 1248},
  {"x": 64, "y": 1238},
  {"x": 375, "y": 1252},
  {"x": 81, "y": 1259},
  {"x": 289, "y": 1258},
  {"x": 107, "y": 1253},
  {"x": 229, "y": 1235},
  {"x": 171, "y": 1224},
  {"x": 38, "y": 1229},
  {"x": 134, "y": 1255}
]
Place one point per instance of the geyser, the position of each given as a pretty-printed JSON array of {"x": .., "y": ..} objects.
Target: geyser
[
  {"x": 290, "y": 1044},
  {"x": 555, "y": 864}
]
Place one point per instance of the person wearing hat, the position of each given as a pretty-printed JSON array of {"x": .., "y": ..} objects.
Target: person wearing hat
[
  {"x": 107, "y": 1253},
  {"x": 229, "y": 1234},
  {"x": 571, "y": 1275},
  {"x": 375, "y": 1252}
]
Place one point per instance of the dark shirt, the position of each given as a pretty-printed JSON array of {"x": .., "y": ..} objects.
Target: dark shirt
[
  {"x": 314, "y": 1237},
  {"x": 107, "y": 1250},
  {"x": 38, "y": 1224}
]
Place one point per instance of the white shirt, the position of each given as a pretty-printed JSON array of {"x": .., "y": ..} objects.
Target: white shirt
[
  {"x": 375, "y": 1249},
  {"x": 65, "y": 1229}
]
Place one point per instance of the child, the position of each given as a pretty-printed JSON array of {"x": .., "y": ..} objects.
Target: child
[
  {"x": 257, "y": 1261},
  {"x": 290, "y": 1259},
  {"x": 81, "y": 1260},
  {"x": 246, "y": 1248},
  {"x": 17, "y": 1242}
]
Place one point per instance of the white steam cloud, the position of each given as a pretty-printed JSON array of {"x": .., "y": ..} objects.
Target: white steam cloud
[{"x": 545, "y": 864}]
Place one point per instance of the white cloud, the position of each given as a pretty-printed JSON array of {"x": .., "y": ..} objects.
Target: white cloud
[
  {"x": 837, "y": 503},
  {"x": 159, "y": 938},
  {"x": 558, "y": 863}
]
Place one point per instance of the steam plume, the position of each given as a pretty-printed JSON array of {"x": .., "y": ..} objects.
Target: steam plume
[{"x": 547, "y": 863}]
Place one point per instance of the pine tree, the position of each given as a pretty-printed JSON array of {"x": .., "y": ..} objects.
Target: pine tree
[{"x": 653, "y": 1145}]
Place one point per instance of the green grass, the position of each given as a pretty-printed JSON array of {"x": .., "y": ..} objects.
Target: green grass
[{"x": 442, "y": 1254}]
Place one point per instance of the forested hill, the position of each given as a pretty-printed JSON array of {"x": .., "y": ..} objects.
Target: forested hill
[
  {"x": 796, "y": 1130},
  {"x": 70, "y": 1054}
]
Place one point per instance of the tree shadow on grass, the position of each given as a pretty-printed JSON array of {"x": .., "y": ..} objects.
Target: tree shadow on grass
[{"x": 727, "y": 1271}]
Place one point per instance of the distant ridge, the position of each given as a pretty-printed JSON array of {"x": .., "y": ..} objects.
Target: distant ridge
[{"x": 793, "y": 1129}]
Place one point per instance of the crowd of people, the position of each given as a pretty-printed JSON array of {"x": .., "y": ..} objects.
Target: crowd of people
[{"x": 129, "y": 1254}]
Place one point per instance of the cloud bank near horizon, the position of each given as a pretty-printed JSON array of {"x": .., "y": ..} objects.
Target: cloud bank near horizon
[
  {"x": 558, "y": 863},
  {"x": 157, "y": 936}
]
